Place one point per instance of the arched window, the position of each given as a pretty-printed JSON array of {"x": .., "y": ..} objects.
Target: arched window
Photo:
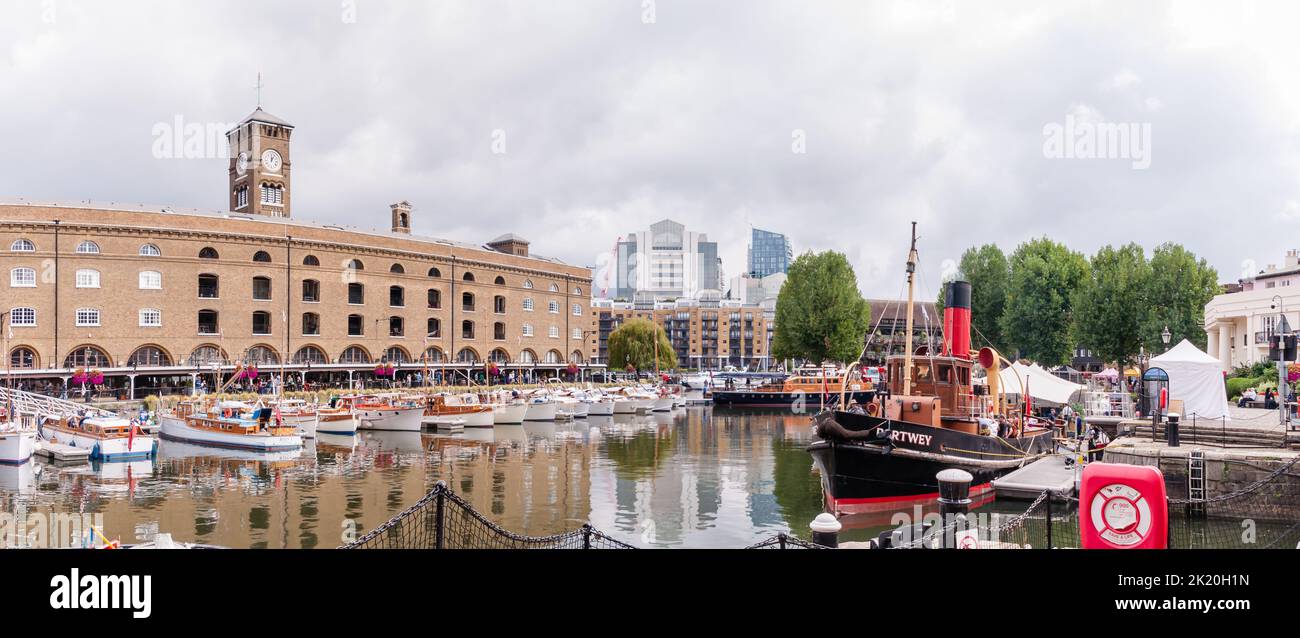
[
  {"x": 527, "y": 356},
  {"x": 262, "y": 288},
  {"x": 397, "y": 269},
  {"x": 22, "y": 246},
  {"x": 499, "y": 356},
  {"x": 500, "y": 281},
  {"x": 499, "y": 331},
  {"x": 554, "y": 356},
  {"x": 356, "y": 294},
  {"x": 356, "y": 326},
  {"x": 434, "y": 355},
  {"x": 397, "y": 354},
  {"x": 87, "y": 278},
  {"x": 396, "y": 327},
  {"x": 577, "y": 290},
  {"x": 311, "y": 291},
  {"x": 261, "y": 355},
  {"x": 149, "y": 356},
  {"x": 87, "y": 357},
  {"x": 87, "y": 248},
  {"x": 469, "y": 276},
  {"x": 209, "y": 253},
  {"x": 150, "y": 250},
  {"x": 434, "y": 272},
  {"x": 433, "y": 328},
  {"x": 310, "y": 260},
  {"x": 206, "y": 355},
  {"x": 22, "y": 357},
  {"x": 209, "y": 322},
  {"x": 528, "y": 283},
  {"x": 553, "y": 306},
  {"x": 554, "y": 288},
  {"x": 22, "y": 278},
  {"x": 150, "y": 318},
  {"x": 354, "y": 264},
  {"x": 467, "y": 329},
  {"x": 310, "y": 324},
  {"x": 209, "y": 286},
  {"x": 528, "y": 330},
  {"x": 150, "y": 280},
  {"x": 262, "y": 257},
  {"x": 261, "y": 323},
  {"x": 396, "y": 297},
  {"x": 528, "y": 304},
  {"x": 467, "y": 301},
  {"x": 577, "y": 309},
  {"x": 310, "y": 354},
  {"x": 22, "y": 317},
  {"x": 354, "y": 354},
  {"x": 435, "y": 298},
  {"x": 499, "y": 305},
  {"x": 88, "y": 317},
  {"x": 467, "y": 355},
  {"x": 576, "y": 357}
]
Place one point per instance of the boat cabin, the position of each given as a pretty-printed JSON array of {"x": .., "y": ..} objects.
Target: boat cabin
[{"x": 946, "y": 380}]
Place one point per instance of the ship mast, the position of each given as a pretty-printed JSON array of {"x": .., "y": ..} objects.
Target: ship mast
[{"x": 907, "y": 343}]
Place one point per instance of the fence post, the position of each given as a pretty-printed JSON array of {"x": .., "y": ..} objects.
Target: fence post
[
  {"x": 586, "y": 536},
  {"x": 440, "y": 515},
  {"x": 781, "y": 539},
  {"x": 1049, "y": 519}
]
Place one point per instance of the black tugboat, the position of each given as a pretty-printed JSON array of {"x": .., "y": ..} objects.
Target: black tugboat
[
  {"x": 807, "y": 387},
  {"x": 892, "y": 450}
]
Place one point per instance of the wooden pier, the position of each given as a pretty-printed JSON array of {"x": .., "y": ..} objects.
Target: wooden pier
[
  {"x": 1028, "y": 482},
  {"x": 61, "y": 453}
]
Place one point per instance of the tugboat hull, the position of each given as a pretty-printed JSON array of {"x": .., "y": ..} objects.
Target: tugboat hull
[{"x": 869, "y": 463}]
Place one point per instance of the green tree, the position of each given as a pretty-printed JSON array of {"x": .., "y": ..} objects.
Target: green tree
[
  {"x": 820, "y": 314},
  {"x": 1176, "y": 293},
  {"x": 987, "y": 271},
  {"x": 633, "y": 343},
  {"x": 1037, "y": 317},
  {"x": 1108, "y": 305}
]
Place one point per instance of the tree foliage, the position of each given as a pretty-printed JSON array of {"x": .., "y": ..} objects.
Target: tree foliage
[
  {"x": 1176, "y": 293},
  {"x": 1108, "y": 305},
  {"x": 987, "y": 271},
  {"x": 1037, "y": 315},
  {"x": 820, "y": 314},
  {"x": 633, "y": 344}
]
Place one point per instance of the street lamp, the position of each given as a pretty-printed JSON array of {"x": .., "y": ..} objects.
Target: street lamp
[{"x": 1164, "y": 336}]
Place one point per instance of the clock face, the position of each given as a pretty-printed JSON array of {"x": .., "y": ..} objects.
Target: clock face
[
  {"x": 271, "y": 160},
  {"x": 241, "y": 164}
]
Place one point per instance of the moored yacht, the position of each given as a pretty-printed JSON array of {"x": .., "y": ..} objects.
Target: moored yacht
[
  {"x": 108, "y": 437},
  {"x": 388, "y": 412},
  {"x": 473, "y": 414},
  {"x": 228, "y": 424}
]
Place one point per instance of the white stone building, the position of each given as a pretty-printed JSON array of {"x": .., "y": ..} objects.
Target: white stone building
[{"x": 1238, "y": 323}]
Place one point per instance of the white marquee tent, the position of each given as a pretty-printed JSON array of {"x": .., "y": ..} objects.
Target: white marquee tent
[
  {"x": 1045, "y": 387},
  {"x": 1196, "y": 379}
]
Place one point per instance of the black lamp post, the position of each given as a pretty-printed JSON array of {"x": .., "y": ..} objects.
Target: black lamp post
[{"x": 1165, "y": 336}]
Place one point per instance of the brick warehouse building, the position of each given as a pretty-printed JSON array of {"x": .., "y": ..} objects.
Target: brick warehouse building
[{"x": 164, "y": 292}]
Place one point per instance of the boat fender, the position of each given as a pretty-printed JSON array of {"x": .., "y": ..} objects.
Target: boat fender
[{"x": 873, "y": 409}]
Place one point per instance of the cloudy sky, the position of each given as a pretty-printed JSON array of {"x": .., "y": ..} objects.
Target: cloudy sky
[{"x": 834, "y": 122}]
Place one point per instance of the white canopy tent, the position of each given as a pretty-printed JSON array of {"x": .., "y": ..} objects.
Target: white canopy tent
[
  {"x": 1045, "y": 387},
  {"x": 1196, "y": 379}
]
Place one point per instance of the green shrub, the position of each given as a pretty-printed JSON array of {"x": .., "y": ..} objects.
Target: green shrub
[{"x": 1237, "y": 385}]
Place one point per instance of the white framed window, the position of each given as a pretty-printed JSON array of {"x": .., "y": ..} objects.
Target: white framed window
[
  {"x": 554, "y": 332},
  {"x": 150, "y": 280},
  {"x": 577, "y": 290},
  {"x": 272, "y": 194},
  {"x": 528, "y": 283},
  {"x": 553, "y": 307},
  {"x": 22, "y": 278},
  {"x": 150, "y": 318},
  {"x": 19, "y": 317},
  {"x": 528, "y": 303},
  {"x": 87, "y": 278},
  {"x": 555, "y": 288},
  {"x": 22, "y": 246},
  {"x": 87, "y": 316},
  {"x": 241, "y": 197},
  {"x": 577, "y": 309},
  {"x": 577, "y": 333},
  {"x": 87, "y": 248},
  {"x": 528, "y": 330},
  {"x": 150, "y": 250}
]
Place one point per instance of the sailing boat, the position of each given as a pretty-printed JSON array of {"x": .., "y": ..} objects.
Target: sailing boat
[{"x": 890, "y": 450}]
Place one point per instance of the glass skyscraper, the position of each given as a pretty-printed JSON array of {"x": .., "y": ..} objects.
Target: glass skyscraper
[{"x": 769, "y": 253}]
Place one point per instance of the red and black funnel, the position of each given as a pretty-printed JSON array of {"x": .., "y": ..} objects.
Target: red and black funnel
[{"x": 956, "y": 319}]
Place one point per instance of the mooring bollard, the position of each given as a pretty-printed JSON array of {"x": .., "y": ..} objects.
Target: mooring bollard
[
  {"x": 954, "y": 491},
  {"x": 826, "y": 530},
  {"x": 1171, "y": 429}
]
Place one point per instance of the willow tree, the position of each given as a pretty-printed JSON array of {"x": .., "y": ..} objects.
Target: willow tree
[
  {"x": 633, "y": 344},
  {"x": 820, "y": 315}
]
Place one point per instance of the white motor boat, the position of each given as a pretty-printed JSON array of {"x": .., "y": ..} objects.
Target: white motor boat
[
  {"x": 108, "y": 437},
  {"x": 392, "y": 418},
  {"x": 303, "y": 417},
  {"x": 509, "y": 413},
  {"x": 16, "y": 445},
  {"x": 600, "y": 406},
  {"x": 228, "y": 425},
  {"x": 541, "y": 408},
  {"x": 466, "y": 407},
  {"x": 663, "y": 403}
]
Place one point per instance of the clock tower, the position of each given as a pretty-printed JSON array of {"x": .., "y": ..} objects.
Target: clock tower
[{"x": 259, "y": 165}]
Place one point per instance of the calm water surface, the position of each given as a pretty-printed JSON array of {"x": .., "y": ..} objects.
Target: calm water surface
[{"x": 691, "y": 478}]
